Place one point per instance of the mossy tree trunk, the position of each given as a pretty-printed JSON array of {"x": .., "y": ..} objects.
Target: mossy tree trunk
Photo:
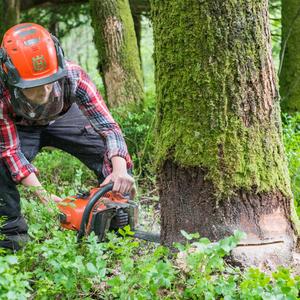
[
  {"x": 9, "y": 15},
  {"x": 118, "y": 52},
  {"x": 222, "y": 164},
  {"x": 290, "y": 57}
]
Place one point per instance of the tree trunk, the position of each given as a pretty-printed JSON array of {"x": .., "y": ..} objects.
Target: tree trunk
[
  {"x": 221, "y": 159},
  {"x": 118, "y": 52},
  {"x": 54, "y": 23},
  {"x": 137, "y": 19},
  {"x": 10, "y": 15},
  {"x": 290, "y": 56}
]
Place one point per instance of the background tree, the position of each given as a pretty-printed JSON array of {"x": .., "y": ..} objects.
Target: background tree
[
  {"x": 9, "y": 14},
  {"x": 275, "y": 25},
  {"x": 139, "y": 8},
  {"x": 222, "y": 164},
  {"x": 59, "y": 19},
  {"x": 118, "y": 53},
  {"x": 290, "y": 56}
]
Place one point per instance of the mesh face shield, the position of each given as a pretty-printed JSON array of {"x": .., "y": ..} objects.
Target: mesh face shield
[{"x": 39, "y": 112}]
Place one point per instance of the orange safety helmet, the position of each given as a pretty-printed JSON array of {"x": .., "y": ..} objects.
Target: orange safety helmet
[{"x": 30, "y": 56}]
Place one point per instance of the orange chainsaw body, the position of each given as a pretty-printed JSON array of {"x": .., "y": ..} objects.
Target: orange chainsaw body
[
  {"x": 72, "y": 208},
  {"x": 100, "y": 210}
]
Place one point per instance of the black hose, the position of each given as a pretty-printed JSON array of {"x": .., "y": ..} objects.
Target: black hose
[{"x": 89, "y": 207}]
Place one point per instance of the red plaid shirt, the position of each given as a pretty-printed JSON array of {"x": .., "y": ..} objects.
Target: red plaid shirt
[{"x": 85, "y": 94}]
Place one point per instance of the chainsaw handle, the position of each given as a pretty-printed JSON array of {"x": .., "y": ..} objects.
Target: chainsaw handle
[{"x": 89, "y": 207}]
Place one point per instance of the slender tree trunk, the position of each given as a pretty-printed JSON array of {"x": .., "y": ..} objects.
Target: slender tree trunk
[
  {"x": 140, "y": 6},
  {"x": 290, "y": 56},
  {"x": 117, "y": 46},
  {"x": 138, "y": 31},
  {"x": 53, "y": 24},
  {"x": 9, "y": 14},
  {"x": 222, "y": 164}
]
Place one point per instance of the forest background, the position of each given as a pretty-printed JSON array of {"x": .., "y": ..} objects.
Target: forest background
[{"x": 54, "y": 266}]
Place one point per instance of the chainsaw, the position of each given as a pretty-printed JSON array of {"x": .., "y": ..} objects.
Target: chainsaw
[{"x": 100, "y": 210}]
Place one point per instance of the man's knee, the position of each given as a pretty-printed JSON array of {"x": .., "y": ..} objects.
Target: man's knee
[
  {"x": 5, "y": 178},
  {"x": 13, "y": 226},
  {"x": 13, "y": 233},
  {"x": 9, "y": 195}
]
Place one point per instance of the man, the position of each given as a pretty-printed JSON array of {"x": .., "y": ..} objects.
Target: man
[{"x": 48, "y": 101}]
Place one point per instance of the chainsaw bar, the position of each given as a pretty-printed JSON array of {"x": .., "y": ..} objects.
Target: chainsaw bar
[{"x": 147, "y": 236}]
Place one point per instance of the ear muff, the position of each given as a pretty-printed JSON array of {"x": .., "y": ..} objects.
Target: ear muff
[
  {"x": 3, "y": 55},
  {"x": 3, "y": 59},
  {"x": 12, "y": 73},
  {"x": 59, "y": 51}
]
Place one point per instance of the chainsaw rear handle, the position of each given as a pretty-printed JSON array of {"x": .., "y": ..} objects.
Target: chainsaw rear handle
[{"x": 89, "y": 207}]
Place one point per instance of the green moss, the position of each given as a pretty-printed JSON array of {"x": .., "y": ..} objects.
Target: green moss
[{"x": 214, "y": 83}]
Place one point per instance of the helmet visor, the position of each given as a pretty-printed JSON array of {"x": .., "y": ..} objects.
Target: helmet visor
[{"x": 40, "y": 103}]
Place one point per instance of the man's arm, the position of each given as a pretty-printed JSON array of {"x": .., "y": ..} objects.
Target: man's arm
[
  {"x": 10, "y": 151},
  {"x": 39, "y": 191},
  {"x": 21, "y": 170},
  {"x": 117, "y": 159}
]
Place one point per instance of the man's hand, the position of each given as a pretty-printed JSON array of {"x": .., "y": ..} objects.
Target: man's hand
[
  {"x": 123, "y": 182},
  {"x": 33, "y": 182},
  {"x": 46, "y": 197}
]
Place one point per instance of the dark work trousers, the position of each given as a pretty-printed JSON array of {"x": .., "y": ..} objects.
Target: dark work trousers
[{"x": 71, "y": 133}]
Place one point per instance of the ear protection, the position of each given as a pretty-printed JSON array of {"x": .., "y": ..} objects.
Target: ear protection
[
  {"x": 12, "y": 73},
  {"x": 3, "y": 58},
  {"x": 59, "y": 51}
]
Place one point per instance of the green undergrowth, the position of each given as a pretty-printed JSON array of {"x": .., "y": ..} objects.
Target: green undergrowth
[
  {"x": 291, "y": 135},
  {"x": 138, "y": 128},
  {"x": 54, "y": 266}
]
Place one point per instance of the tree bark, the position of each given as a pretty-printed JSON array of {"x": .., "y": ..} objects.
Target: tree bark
[
  {"x": 221, "y": 159},
  {"x": 290, "y": 57},
  {"x": 118, "y": 52},
  {"x": 10, "y": 15}
]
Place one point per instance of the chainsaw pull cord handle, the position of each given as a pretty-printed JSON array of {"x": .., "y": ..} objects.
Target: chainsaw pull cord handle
[{"x": 89, "y": 207}]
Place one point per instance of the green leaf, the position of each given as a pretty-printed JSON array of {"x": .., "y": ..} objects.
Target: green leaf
[
  {"x": 91, "y": 268},
  {"x": 190, "y": 236},
  {"x": 12, "y": 259}
]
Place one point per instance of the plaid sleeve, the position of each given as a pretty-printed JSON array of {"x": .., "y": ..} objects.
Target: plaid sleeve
[
  {"x": 10, "y": 151},
  {"x": 95, "y": 109}
]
